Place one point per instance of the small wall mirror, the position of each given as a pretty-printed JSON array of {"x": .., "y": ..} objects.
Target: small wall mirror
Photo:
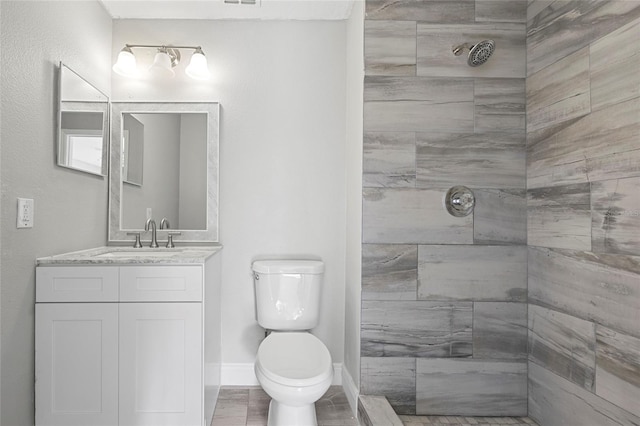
[
  {"x": 82, "y": 124},
  {"x": 164, "y": 165}
]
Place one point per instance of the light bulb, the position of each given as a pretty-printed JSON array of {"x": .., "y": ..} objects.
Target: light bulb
[
  {"x": 198, "y": 68},
  {"x": 162, "y": 65},
  {"x": 126, "y": 63}
]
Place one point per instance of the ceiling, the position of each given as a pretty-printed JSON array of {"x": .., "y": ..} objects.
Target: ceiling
[{"x": 218, "y": 9}]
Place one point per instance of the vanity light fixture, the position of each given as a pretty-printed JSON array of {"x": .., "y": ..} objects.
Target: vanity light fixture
[{"x": 167, "y": 57}]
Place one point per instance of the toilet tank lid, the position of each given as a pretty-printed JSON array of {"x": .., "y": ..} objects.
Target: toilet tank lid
[{"x": 288, "y": 266}]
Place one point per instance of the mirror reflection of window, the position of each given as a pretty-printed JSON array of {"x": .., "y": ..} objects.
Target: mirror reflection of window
[
  {"x": 81, "y": 144},
  {"x": 82, "y": 123},
  {"x": 84, "y": 151}
]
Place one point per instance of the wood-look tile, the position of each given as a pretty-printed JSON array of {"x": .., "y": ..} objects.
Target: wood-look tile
[
  {"x": 333, "y": 409},
  {"x": 560, "y": 217},
  {"x": 394, "y": 378},
  {"x": 615, "y": 67},
  {"x": 390, "y": 47},
  {"x": 431, "y": 89},
  {"x": 389, "y": 271},
  {"x": 376, "y": 411},
  {"x": 231, "y": 408},
  {"x": 480, "y": 273},
  {"x": 534, "y": 7},
  {"x": 500, "y": 216},
  {"x": 618, "y": 369},
  {"x": 389, "y": 160},
  {"x": 563, "y": 344},
  {"x": 556, "y": 401},
  {"x": 471, "y": 387},
  {"x": 602, "y": 145},
  {"x": 499, "y": 104},
  {"x": 499, "y": 330},
  {"x": 435, "y": 56},
  {"x": 614, "y": 166},
  {"x": 477, "y": 160},
  {"x": 559, "y": 92},
  {"x": 615, "y": 216},
  {"x": 419, "y": 116},
  {"x": 596, "y": 287},
  {"x": 501, "y": 11},
  {"x": 405, "y": 216},
  {"x": 258, "y": 409},
  {"x": 450, "y": 11},
  {"x": 584, "y": 21},
  {"x": 416, "y": 329}
]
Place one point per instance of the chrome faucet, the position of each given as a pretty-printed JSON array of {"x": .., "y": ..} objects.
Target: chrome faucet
[
  {"x": 164, "y": 223},
  {"x": 154, "y": 239}
]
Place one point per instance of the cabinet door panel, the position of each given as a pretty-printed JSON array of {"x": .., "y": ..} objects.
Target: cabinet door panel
[
  {"x": 76, "y": 364},
  {"x": 160, "y": 364},
  {"x": 161, "y": 283}
]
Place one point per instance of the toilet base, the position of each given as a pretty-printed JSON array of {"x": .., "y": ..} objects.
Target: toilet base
[{"x": 287, "y": 415}]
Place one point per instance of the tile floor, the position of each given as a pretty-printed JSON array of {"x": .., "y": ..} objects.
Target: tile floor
[
  {"x": 464, "y": 421},
  {"x": 249, "y": 407}
]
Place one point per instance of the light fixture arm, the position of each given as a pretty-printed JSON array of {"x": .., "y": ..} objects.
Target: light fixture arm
[{"x": 165, "y": 46}]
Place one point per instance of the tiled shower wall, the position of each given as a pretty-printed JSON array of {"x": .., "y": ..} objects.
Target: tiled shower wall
[
  {"x": 583, "y": 176},
  {"x": 444, "y": 314}
]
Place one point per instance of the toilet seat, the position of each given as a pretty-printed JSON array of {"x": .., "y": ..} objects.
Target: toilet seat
[{"x": 294, "y": 359}]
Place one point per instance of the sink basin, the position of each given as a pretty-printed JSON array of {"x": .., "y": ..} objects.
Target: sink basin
[{"x": 139, "y": 252}]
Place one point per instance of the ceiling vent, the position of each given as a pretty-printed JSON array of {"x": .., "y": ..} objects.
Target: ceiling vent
[{"x": 247, "y": 2}]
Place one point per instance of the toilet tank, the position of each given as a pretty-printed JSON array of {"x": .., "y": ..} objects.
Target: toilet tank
[{"x": 288, "y": 293}]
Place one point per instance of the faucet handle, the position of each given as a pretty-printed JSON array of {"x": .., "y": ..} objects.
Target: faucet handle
[
  {"x": 170, "y": 238},
  {"x": 137, "y": 244}
]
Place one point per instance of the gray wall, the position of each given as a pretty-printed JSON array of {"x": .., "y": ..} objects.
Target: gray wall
[
  {"x": 160, "y": 173},
  {"x": 444, "y": 299},
  {"x": 192, "y": 207},
  {"x": 70, "y": 206},
  {"x": 583, "y": 204}
]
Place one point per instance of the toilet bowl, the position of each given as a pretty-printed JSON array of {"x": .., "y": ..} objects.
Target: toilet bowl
[{"x": 295, "y": 370}]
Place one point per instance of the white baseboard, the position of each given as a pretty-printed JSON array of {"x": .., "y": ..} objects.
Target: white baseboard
[
  {"x": 350, "y": 390},
  {"x": 242, "y": 374},
  {"x": 238, "y": 374}
]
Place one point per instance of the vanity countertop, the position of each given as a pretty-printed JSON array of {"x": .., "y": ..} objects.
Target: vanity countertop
[{"x": 112, "y": 255}]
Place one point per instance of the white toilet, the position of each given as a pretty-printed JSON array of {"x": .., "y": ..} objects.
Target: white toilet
[{"x": 293, "y": 366}]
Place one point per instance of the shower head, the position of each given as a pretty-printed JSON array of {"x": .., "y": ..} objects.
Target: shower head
[{"x": 479, "y": 53}]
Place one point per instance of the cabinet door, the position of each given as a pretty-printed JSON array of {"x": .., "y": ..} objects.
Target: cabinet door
[
  {"x": 160, "y": 364},
  {"x": 76, "y": 364}
]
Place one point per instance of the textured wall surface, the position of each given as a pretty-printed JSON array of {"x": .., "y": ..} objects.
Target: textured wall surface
[
  {"x": 443, "y": 298},
  {"x": 282, "y": 153},
  {"x": 70, "y": 206},
  {"x": 583, "y": 208}
]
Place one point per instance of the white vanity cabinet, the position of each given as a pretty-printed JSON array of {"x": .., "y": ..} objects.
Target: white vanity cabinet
[{"x": 125, "y": 344}]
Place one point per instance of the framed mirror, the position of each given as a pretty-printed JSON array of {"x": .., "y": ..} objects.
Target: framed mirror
[
  {"x": 83, "y": 117},
  {"x": 164, "y": 165}
]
